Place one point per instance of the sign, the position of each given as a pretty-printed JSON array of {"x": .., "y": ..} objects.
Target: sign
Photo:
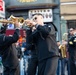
[
  {"x": 2, "y": 9},
  {"x": 22, "y": 1},
  {"x": 11, "y": 32},
  {"x": 47, "y": 14},
  {"x": 1, "y": 5}
]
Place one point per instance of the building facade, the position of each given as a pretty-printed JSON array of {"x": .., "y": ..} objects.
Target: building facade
[
  {"x": 68, "y": 11},
  {"x": 25, "y": 8}
]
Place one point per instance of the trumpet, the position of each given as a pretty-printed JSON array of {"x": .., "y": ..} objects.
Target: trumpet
[
  {"x": 21, "y": 20},
  {"x": 12, "y": 20},
  {"x": 6, "y": 21}
]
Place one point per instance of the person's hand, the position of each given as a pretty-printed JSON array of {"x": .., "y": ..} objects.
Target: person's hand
[
  {"x": 33, "y": 28},
  {"x": 30, "y": 23},
  {"x": 16, "y": 23}
]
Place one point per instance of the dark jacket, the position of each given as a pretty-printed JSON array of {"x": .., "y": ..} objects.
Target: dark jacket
[
  {"x": 8, "y": 54},
  {"x": 72, "y": 48},
  {"x": 30, "y": 45},
  {"x": 45, "y": 40}
]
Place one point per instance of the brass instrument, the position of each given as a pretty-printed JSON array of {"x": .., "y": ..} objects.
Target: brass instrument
[
  {"x": 63, "y": 50},
  {"x": 12, "y": 20},
  {"x": 5, "y": 21},
  {"x": 21, "y": 20}
]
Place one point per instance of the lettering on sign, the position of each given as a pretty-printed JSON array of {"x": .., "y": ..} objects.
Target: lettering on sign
[
  {"x": 47, "y": 14},
  {"x": 22, "y": 1}
]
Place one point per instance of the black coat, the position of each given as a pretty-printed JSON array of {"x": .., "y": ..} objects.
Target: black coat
[
  {"x": 72, "y": 48},
  {"x": 8, "y": 54},
  {"x": 30, "y": 45},
  {"x": 45, "y": 41}
]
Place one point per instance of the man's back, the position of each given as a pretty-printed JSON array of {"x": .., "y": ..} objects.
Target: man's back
[
  {"x": 7, "y": 51},
  {"x": 11, "y": 59}
]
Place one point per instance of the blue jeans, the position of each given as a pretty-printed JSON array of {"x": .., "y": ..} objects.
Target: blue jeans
[
  {"x": 65, "y": 64},
  {"x": 59, "y": 67},
  {"x": 24, "y": 64}
]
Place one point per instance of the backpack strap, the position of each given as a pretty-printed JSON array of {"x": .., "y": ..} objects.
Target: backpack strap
[{"x": 54, "y": 26}]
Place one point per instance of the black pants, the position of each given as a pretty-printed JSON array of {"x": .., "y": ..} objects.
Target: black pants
[
  {"x": 48, "y": 66},
  {"x": 32, "y": 67},
  {"x": 9, "y": 71},
  {"x": 72, "y": 68}
]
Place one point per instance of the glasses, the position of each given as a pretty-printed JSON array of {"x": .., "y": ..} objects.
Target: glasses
[{"x": 71, "y": 30}]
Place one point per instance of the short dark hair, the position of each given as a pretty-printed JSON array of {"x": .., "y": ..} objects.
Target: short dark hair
[{"x": 37, "y": 14}]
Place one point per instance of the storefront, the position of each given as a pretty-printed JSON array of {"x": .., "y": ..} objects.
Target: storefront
[
  {"x": 21, "y": 8},
  {"x": 25, "y": 8}
]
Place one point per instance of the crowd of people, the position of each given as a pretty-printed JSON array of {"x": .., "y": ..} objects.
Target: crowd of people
[
  {"x": 47, "y": 56},
  {"x": 67, "y": 52}
]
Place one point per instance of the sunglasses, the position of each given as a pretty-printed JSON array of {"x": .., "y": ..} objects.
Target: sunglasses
[{"x": 34, "y": 18}]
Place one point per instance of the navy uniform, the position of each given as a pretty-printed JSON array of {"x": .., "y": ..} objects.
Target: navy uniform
[{"x": 72, "y": 55}]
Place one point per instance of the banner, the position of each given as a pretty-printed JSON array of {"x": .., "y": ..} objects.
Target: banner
[
  {"x": 2, "y": 9},
  {"x": 1, "y": 5}
]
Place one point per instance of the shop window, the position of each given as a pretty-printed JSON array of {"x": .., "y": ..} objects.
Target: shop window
[{"x": 71, "y": 24}]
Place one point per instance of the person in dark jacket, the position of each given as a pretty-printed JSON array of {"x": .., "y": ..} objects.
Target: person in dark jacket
[
  {"x": 45, "y": 40},
  {"x": 8, "y": 51},
  {"x": 72, "y": 53},
  {"x": 33, "y": 63}
]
